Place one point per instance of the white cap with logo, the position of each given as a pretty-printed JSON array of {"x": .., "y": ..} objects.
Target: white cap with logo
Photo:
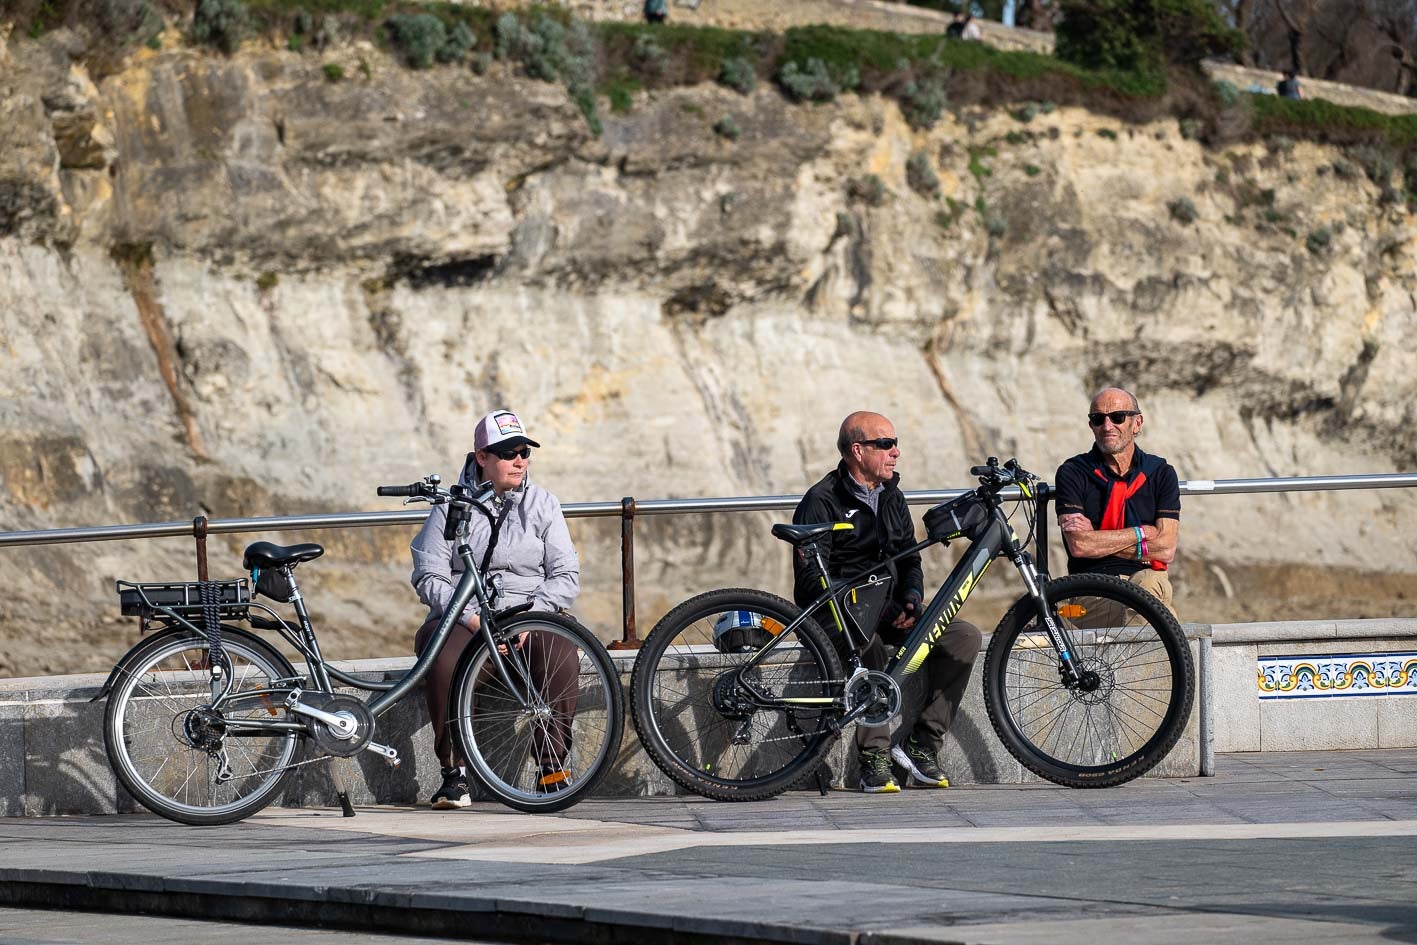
[{"x": 501, "y": 429}]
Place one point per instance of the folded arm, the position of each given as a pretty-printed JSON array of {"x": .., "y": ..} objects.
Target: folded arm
[{"x": 1084, "y": 541}]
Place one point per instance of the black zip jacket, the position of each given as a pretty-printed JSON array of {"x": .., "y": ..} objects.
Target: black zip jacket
[{"x": 873, "y": 538}]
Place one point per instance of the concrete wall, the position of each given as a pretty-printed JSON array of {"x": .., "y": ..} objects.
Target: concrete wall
[
  {"x": 1333, "y": 705},
  {"x": 52, "y": 759}
]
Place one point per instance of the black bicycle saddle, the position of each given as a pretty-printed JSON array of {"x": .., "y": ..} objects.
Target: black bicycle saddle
[
  {"x": 797, "y": 534},
  {"x": 265, "y": 555}
]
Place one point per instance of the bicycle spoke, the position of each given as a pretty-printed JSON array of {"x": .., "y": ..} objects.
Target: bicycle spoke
[{"x": 152, "y": 715}]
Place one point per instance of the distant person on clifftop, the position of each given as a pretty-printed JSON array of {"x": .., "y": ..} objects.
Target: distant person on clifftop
[
  {"x": 1288, "y": 86},
  {"x": 656, "y": 11},
  {"x": 864, "y": 491},
  {"x": 1119, "y": 508},
  {"x": 964, "y": 27}
]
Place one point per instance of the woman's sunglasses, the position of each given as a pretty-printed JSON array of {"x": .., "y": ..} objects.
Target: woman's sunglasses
[
  {"x": 523, "y": 451},
  {"x": 1118, "y": 417}
]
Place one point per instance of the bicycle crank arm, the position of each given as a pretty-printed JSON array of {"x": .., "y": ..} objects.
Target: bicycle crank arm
[
  {"x": 390, "y": 754},
  {"x": 340, "y": 726}
]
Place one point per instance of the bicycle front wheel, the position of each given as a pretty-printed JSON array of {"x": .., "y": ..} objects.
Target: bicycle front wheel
[
  {"x": 178, "y": 756},
  {"x": 546, "y": 745},
  {"x": 1134, "y": 699},
  {"x": 697, "y": 722}
]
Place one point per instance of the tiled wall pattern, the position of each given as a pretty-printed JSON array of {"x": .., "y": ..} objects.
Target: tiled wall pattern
[{"x": 1332, "y": 675}]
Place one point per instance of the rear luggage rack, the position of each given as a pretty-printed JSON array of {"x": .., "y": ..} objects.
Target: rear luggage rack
[{"x": 148, "y": 600}]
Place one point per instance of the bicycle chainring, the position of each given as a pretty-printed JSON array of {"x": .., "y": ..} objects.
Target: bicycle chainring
[
  {"x": 349, "y": 707},
  {"x": 878, "y": 692}
]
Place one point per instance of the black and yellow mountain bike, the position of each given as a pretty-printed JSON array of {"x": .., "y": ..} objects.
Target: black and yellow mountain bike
[{"x": 1088, "y": 680}]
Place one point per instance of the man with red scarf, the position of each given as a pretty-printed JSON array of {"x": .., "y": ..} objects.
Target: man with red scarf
[{"x": 1119, "y": 508}]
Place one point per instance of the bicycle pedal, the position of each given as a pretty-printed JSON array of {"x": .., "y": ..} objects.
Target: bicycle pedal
[{"x": 390, "y": 755}]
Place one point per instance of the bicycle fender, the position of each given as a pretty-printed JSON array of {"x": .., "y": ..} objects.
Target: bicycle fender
[
  {"x": 121, "y": 666},
  {"x": 506, "y": 612}
]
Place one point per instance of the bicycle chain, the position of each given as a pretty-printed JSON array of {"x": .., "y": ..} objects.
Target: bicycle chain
[{"x": 799, "y": 682}]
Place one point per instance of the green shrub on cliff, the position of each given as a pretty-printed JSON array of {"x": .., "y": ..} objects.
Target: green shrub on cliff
[
  {"x": 1141, "y": 38},
  {"x": 553, "y": 51},
  {"x": 921, "y": 176},
  {"x": 813, "y": 81},
  {"x": 418, "y": 36},
  {"x": 738, "y": 73},
  {"x": 220, "y": 23},
  {"x": 726, "y": 127},
  {"x": 922, "y": 102}
]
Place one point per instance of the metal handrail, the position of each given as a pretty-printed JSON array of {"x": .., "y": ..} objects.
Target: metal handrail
[
  {"x": 769, "y": 503},
  {"x": 628, "y": 509}
]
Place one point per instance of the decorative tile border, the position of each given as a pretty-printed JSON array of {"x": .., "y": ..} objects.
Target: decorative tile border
[{"x": 1354, "y": 674}]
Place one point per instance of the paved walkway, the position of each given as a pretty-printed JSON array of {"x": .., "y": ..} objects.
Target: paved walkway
[{"x": 1312, "y": 847}]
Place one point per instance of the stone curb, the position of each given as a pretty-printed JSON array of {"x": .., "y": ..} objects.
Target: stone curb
[{"x": 371, "y": 910}]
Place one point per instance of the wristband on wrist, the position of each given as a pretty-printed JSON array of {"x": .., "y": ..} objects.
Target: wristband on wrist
[
  {"x": 1137, "y": 529},
  {"x": 1144, "y": 553}
]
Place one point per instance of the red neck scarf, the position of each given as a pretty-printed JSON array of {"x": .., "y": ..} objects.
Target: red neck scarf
[{"x": 1115, "y": 515}]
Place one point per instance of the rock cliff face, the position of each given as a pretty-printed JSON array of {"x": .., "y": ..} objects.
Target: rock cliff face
[{"x": 230, "y": 285}]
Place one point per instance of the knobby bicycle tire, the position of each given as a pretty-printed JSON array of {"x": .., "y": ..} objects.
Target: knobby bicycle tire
[
  {"x": 154, "y": 724},
  {"x": 684, "y": 706},
  {"x": 571, "y": 735},
  {"x": 1134, "y": 716}
]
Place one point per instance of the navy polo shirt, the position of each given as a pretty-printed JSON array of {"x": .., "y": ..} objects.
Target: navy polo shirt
[{"x": 1083, "y": 483}]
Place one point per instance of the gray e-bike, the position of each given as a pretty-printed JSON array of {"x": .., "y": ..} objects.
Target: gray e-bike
[{"x": 205, "y": 719}]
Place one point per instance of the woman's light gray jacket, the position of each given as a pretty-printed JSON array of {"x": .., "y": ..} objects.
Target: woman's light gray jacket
[{"x": 534, "y": 555}]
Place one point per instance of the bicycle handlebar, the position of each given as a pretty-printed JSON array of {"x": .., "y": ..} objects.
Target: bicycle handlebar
[
  {"x": 992, "y": 475},
  {"x": 429, "y": 489}
]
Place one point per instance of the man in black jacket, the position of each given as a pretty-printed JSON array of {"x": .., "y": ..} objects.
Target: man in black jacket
[{"x": 864, "y": 491}]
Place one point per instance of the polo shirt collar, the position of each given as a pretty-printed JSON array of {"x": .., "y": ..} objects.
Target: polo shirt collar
[{"x": 1099, "y": 461}]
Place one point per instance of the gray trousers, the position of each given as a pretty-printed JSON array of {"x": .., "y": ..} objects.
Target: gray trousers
[{"x": 947, "y": 674}]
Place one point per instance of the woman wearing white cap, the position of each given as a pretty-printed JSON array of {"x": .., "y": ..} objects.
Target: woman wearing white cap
[{"x": 536, "y": 561}]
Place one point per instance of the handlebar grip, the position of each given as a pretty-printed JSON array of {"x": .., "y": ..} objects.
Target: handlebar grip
[
  {"x": 983, "y": 470},
  {"x": 398, "y": 490}
]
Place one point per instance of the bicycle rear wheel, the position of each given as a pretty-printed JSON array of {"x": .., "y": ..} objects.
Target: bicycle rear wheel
[
  {"x": 692, "y": 716},
  {"x": 173, "y": 753},
  {"x": 551, "y": 752},
  {"x": 1136, "y": 699}
]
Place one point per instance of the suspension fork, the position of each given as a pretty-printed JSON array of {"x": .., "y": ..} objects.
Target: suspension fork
[{"x": 1058, "y": 634}]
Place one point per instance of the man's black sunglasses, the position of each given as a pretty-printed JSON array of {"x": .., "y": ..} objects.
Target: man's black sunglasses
[
  {"x": 523, "y": 451},
  {"x": 1118, "y": 417},
  {"x": 881, "y": 442}
]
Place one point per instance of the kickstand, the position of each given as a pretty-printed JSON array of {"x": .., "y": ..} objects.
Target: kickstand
[
  {"x": 337, "y": 774},
  {"x": 823, "y": 784}
]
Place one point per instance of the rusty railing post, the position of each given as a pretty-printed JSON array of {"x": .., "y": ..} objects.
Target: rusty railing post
[
  {"x": 628, "y": 641},
  {"x": 199, "y": 531}
]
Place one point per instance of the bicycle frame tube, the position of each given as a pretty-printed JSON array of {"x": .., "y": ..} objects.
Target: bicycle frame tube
[
  {"x": 469, "y": 585},
  {"x": 999, "y": 538},
  {"x": 950, "y": 598},
  {"x": 828, "y": 599},
  {"x": 307, "y": 634}
]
